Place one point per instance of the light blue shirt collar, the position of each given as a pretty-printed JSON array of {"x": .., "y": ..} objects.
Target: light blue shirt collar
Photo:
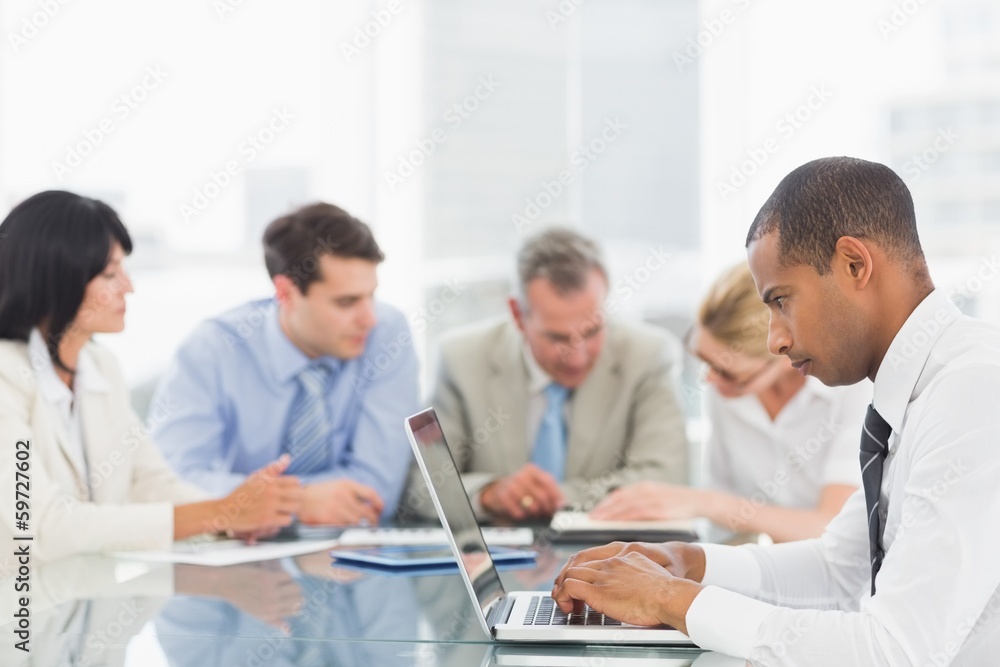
[{"x": 287, "y": 360}]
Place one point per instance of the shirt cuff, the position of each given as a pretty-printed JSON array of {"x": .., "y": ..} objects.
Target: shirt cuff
[
  {"x": 732, "y": 568},
  {"x": 720, "y": 620}
]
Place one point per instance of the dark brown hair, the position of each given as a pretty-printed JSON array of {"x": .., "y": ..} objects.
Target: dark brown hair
[{"x": 294, "y": 242}]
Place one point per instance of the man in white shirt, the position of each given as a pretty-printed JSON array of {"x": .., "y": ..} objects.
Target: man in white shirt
[{"x": 835, "y": 255}]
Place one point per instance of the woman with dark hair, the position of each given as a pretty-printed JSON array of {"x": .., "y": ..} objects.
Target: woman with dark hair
[{"x": 87, "y": 477}]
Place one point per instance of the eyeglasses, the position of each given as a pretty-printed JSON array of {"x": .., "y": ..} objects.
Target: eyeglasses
[
  {"x": 722, "y": 374},
  {"x": 571, "y": 342}
]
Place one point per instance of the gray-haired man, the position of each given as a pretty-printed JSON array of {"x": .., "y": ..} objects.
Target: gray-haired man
[{"x": 555, "y": 405}]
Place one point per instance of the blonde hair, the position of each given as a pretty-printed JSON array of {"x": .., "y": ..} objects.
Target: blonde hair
[{"x": 734, "y": 314}]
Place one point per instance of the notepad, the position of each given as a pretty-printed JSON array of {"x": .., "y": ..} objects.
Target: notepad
[
  {"x": 219, "y": 553},
  {"x": 579, "y": 527}
]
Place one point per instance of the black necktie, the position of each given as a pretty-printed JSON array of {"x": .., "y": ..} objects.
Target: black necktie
[{"x": 874, "y": 447}]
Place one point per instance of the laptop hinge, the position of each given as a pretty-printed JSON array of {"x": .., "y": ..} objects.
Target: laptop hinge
[{"x": 499, "y": 612}]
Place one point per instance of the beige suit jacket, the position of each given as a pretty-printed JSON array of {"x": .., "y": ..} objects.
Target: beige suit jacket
[
  {"x": 133, "y": 487},
  {"x": 625, "y": 421}
]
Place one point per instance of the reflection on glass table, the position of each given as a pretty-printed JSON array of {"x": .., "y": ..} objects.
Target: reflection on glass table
[
  {"x": 284, "y": 603},
  {"x": 604, "y": 656},
  {"x": 83, "y": 611},
  {"x": 94, "y": 611}
]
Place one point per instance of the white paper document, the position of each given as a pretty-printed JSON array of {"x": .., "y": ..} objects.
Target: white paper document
[{"x": 227, "y": 552}]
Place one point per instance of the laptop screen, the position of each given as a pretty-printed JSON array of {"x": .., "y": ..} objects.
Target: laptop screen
[{"x": 457, "y": 517}]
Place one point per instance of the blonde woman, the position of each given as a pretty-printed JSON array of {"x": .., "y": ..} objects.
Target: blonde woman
[{"x": 782, "y": 454}]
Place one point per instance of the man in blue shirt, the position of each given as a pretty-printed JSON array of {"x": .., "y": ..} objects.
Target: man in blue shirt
[{"x": 321, "y": 371}]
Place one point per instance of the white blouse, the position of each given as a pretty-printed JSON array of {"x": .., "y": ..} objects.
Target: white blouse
[
  {"x": 813, "y": 442},
  {"x": 63, "y": 399}
]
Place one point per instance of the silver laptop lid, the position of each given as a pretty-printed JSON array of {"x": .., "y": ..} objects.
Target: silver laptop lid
[{"x": 455, "y": 511}]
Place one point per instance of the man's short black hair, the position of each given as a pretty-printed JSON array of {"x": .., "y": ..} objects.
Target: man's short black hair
[
  {"x": 826, "y": 199},
  {"x": 294, "y": 243}
]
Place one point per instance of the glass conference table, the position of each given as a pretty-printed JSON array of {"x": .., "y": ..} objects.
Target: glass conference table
[{"x": 94, "y": 610}]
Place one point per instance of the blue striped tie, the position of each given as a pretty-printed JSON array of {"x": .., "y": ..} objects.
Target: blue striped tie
[
  {"x": 308, "y": 435},
  {"x": 874, "y": 448},
  {"x": 549, "y": 453}
]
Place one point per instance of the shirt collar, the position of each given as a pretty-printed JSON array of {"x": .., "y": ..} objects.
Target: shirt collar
[
  {"x": 897, "y": 376},
  {"x": 538, "y": 379},
  {"x": 53, "y": 389},
  {"x": 287, "y": 360}
]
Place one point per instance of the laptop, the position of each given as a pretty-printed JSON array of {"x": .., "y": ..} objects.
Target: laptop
[{"x": 517, "y": 616}]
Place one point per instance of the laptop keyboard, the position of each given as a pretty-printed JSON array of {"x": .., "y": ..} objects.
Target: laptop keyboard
[{"x": 543, "y": 611}]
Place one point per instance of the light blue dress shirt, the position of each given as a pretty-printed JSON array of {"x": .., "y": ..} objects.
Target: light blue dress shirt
[{"x": 223, "y": 407}]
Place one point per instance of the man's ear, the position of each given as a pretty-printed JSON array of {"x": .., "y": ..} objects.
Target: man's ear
[
  {"x": 284, "y": 287},
  {"x": 852, "y": 261},
  {"x": 516, "y": 312}
]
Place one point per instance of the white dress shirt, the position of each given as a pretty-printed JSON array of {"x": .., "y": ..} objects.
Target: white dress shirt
[
  {"x": 938, "y": 592},
  {"x": 63, "y": 400},
  {"x": 786, "y": 461}
]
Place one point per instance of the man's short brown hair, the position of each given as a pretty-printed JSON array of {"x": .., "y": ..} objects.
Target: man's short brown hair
[{"x": 294, "y": 242}]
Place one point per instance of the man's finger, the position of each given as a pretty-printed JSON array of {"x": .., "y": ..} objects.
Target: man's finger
[
  {"x": 510, "y": 503},
  {"x": 539, "y": 492},
  {"x": 612, "y": 512},
  {"x": 571, "y": 595},
  {"x": 360, "y": 510},
  {"x": 368, "y": 495},
  {"x": 276, "y": 467},
  {"x": 588, "y": 555}
]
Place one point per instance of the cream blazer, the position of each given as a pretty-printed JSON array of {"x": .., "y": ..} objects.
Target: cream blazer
[{"x": 134, "y": 489}]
